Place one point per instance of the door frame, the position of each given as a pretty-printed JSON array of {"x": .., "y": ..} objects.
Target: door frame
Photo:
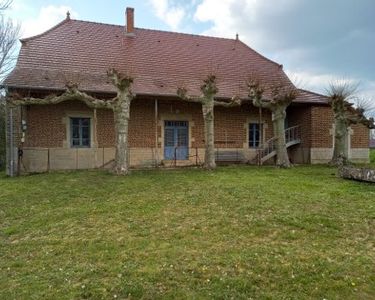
[
  {"x": 175, "y": 140},
  {"x": 175, "y": 117}
]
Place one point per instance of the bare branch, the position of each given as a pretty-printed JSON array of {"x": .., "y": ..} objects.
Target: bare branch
[
  {"x": 357, "y": 116},
  {"x": 235, "y": 101},
  {"x": 71, "y": 93},
  {"x": 366, "y": 105},
  {"x": 283, "y": 94},
  {"x": 256, "y": 90},
  {"x": 120, "y": 81},
  {"x": 5, "y": 5},
  {"x": 342, "y": 89},
  {"x": 9, "y": 33},
  {"x": 182, "y": 93},
  {"x": 209, "y": 85},
  {"x": 340, "y": 93}
]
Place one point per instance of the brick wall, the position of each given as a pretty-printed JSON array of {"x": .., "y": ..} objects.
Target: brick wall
[
  {"x": 360, "y": 137},
  {"x": 301, "y": 116},
  {"x": 47, "y": 128},
  {"x": 322, "y": 121},
  {"x": 231, "y": 125}
]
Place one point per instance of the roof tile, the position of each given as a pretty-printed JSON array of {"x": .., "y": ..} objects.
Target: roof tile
[{"x": 160, "y": 61}]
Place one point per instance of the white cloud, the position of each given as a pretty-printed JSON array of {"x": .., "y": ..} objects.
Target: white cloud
[
  {"x": 279, "y": 32},
  {"x": 220, "y": 15},
  {"x": 47, "y": 17},
  {"x": 229, "y": 17},
  {"x": 166, "y": 11},
  {"x": 311, "y": 81},
  {"x": 319, "y": 82}
]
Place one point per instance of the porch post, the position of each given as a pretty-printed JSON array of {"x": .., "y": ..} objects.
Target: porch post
[
  {"x": 260, "y": 136},
  {"x": 156, "y": 133}
]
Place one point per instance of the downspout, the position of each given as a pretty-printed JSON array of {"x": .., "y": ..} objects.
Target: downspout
[
  {"x": 11, "y": 141},
  {"x": 95, "y": 138},
  {"x": 156, "y": 133},
  {"x": 260, "y": 135}
]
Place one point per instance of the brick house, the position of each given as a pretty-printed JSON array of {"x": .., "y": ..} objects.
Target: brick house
[{"x": 70, "y": 135}]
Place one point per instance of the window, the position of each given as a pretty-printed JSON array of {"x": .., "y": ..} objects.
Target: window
[
  {"x": 80, "y": 132},
  {"x": 254, "y": 135}
]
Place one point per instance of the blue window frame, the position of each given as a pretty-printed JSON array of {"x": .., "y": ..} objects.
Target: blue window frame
[
  {"x": 80, "y": 132},
  {"x": 254, "y": 135}
]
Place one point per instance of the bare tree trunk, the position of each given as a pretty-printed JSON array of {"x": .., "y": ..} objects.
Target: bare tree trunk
[
  {"x": 340, "y": 93},
  {"x": 121, "y": 109},
  {"x": 122, "y": 116},
  {"x": 281, "y": 98},
  {"x": 340, "y": 148},
  {"x": 278, "y": 120},
  {"x": 209, "y": 135}
]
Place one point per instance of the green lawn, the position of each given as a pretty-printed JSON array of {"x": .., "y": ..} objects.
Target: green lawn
[
  {"x": 372, "y": 156},
  {"x": 238, "y": 232}
]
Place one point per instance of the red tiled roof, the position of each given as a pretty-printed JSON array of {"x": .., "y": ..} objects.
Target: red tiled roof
[
  {"x": 159, "y": 61},
  {"x": 310, "y": 97}
]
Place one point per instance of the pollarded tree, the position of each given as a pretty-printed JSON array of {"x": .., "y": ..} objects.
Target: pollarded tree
[
  {"x": 207, "y": 99},
  {"x": 120, "y": 105},
  {"x": 280, "y": 98},
  {"x": 340, "y": 93}
]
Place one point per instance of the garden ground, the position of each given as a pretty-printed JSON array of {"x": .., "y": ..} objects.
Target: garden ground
[{"x": 237, "y": 232}]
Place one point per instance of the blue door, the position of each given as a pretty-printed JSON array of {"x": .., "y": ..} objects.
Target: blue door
[{"x": 176, "y": 140}]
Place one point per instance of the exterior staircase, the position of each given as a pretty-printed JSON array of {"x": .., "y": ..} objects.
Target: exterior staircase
[{"x": 268, "y": 149}]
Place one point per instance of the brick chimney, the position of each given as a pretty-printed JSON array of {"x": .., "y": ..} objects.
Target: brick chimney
[{"x": 129, "y": 21}]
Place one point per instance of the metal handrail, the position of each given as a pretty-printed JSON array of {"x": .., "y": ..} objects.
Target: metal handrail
[{"x": 291, "y": 134}]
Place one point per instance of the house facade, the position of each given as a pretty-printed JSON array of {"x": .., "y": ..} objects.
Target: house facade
[{"x": 163, "y": 129}]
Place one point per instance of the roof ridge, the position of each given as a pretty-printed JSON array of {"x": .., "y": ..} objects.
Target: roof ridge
[
  {"x": 315, "y": 93},
  {"x": 45, "y": 32},
  {"x": 261, "y": 55},
  {"x": 189, "y": 34},
  {"x": 95, "y": 22},
  {"x": 147, "y": 29}
]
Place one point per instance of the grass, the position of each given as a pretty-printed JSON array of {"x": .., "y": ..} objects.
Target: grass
[
  {"x": 372, "y": 156},
  {"x": 238, "y": 232}
]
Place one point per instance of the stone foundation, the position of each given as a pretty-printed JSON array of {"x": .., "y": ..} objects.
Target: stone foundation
[
  {"x": 39, "y": 160},
  {"x": 324, "y": 155}
]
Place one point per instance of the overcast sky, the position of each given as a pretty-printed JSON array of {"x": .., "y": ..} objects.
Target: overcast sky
[{"x": 317, "y": 41}]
